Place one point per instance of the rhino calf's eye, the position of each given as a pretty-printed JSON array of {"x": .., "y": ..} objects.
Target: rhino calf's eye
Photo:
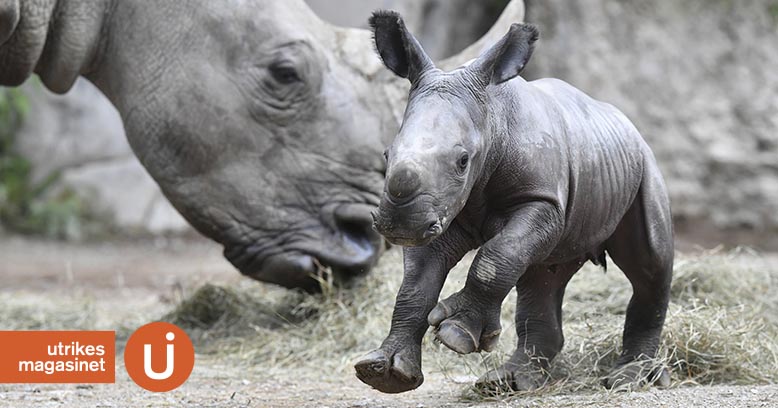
[{"x": 284, "y": 74}]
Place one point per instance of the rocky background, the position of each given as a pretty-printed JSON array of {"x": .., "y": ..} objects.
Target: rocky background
[
  {"x": 80, "y": 137},
  {"x": 698, "y": 77}
]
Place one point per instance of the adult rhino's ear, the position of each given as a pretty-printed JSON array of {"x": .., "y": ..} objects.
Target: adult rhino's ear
[
  {"x": 398, "y": 48},
  {"x": 506, "y": 59}
]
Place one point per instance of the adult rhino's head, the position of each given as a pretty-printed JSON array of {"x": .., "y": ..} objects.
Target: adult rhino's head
[
  {"x": 261, "y": 128},
  {"x": 263, "y": 125},
  {"x": 259, "y": 122}
]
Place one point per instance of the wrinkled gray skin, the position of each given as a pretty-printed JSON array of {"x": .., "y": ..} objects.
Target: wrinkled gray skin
[
  {"x": 541, "y": 178},
  {"x": 263, "y": 125}
]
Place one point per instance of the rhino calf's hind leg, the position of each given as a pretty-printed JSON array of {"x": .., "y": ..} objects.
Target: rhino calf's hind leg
[
  {"x": 538, "y": 328},
  {"x": 642, "y": 246}
]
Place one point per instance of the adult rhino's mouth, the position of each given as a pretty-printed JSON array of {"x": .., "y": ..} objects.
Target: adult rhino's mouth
[{"x": 346, "y": 249}]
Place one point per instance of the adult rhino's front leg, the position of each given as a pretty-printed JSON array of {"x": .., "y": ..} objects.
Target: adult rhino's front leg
[
  {"x": 469, "y": 320},
  {"x": 396, "y": 365}
]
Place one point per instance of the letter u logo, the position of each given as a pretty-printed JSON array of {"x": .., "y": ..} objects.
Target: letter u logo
[
  {"x": 140, "y": 361},
  {"x": 169, "y": 357}
]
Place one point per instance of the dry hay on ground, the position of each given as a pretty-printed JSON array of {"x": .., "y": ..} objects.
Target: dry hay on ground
[{"x": 721, "y": 326}]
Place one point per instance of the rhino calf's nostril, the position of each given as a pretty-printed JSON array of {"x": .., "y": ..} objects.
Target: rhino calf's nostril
[{"x": 434, "y": 229}]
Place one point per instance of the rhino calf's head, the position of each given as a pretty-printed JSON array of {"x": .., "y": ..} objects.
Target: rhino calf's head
[{"x": 440, "y": 151}]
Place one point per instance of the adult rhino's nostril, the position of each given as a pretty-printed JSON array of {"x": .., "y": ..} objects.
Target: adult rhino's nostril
[
  {"x": 403, "y": 182},
  {"x": 359, "y": 245}
]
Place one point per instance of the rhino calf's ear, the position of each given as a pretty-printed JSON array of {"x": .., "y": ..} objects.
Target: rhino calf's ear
[
  {"x": 398, "y": 48},
  {"x": 506, "y": 59}
]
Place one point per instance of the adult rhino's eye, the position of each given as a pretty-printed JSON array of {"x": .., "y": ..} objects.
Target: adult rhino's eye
[
  {"x": 285, "y": 74},
  {"x": 386, "y": 154},
  {"x": 463, "y": 160}
]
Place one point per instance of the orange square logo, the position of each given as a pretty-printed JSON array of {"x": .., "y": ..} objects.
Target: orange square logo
[{"x": 57, "y": 356}]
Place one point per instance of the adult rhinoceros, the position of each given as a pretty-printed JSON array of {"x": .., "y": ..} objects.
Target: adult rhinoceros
[{"x": 263, "y": 125}]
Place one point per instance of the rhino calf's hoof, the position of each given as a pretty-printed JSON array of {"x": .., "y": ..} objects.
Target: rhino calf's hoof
[
  {"x": 637, "y": 374},
  {"x": 391, "y": 372},
  {"x": 511, "y": 377},
  {"x": 462, "y": 327},
  {"x": 456, "y": 338}
]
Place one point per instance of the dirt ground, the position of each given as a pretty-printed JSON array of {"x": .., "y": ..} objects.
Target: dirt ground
[{"x": 122, "y": 285}]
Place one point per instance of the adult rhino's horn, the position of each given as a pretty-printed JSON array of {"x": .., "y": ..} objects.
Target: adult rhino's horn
[{"x": 513, "y": 13}]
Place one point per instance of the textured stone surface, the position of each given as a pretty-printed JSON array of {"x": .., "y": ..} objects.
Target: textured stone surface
[{"x": 697, "y": 77}]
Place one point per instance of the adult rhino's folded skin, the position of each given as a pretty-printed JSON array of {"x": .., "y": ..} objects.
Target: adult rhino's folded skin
[
  {"x": 263, "y": 125},
  {"x": 9, "y": 17},
  {"x": 57, "y": 39}
]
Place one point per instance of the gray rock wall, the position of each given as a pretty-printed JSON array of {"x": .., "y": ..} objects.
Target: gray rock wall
[{"x": 698, "y": 77}]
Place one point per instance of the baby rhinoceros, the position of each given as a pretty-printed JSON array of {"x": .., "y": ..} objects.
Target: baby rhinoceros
[{"x": 541, "y": 178}]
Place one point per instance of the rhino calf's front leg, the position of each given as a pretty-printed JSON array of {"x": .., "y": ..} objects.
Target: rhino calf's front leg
[
  {"x": 469, "y": 320},
  {"x": 396, "y": 365}
]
